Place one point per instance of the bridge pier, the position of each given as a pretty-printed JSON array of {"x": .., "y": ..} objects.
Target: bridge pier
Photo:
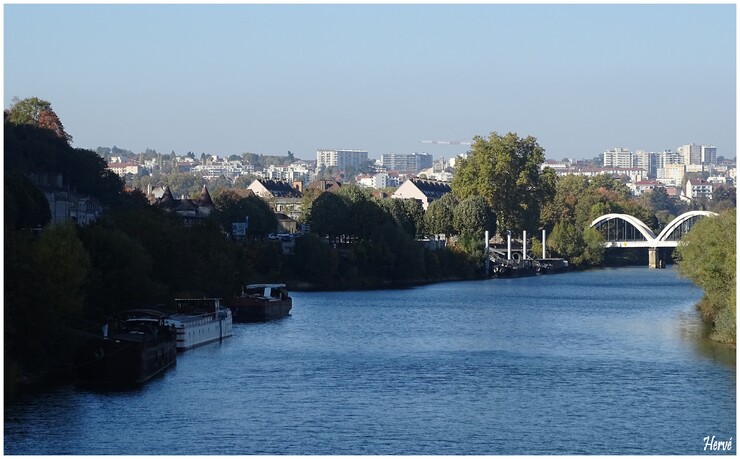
[{"x": 656, "y": 257}]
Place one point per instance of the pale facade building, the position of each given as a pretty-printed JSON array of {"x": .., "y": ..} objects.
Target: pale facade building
[
  {"x": 647, "y": 161},
  {"x": 341, "y": 159},
  {"x": 690, "y": 153},
  {"x": 669, "y": 157},
  {"x": 697, "y": 188},
  {"x": 424, "y": 191},
  {"x": 122, "y": 169},
  {"x": 617, "y": 157},
  {"x": 413, "y": 162},
  {"x": 380, "y": 181},
  {"x": 672, "y": 174},
  {"x": 643, "y": 186}
]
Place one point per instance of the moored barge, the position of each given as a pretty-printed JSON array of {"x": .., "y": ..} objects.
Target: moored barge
[
  {"x": 200, "y": 321},
  {"x": 136, "y": 345},
  {"x": 261, "y": 302}
]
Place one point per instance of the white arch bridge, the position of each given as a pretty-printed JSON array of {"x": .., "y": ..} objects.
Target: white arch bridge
[{"x": 626, "y": 231}]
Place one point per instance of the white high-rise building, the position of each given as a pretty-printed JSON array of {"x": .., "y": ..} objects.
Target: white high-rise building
[
  {"x": 647, "y": 161},
  {"x": 690, "y": 153},
  {"x": 618, "y": 157},
  {"x": 341, "y": 159},
  {"x": 669, "y": 157}
]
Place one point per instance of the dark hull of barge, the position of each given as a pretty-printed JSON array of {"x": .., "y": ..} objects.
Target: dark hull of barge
[
  {"x": 255, "y": 310},
  {"x": 132, "y": 355}
]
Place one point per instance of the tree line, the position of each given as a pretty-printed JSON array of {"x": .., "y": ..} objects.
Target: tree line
[
  {"x": 66, "y": 280},
  {"x": 63, "y": 281}
]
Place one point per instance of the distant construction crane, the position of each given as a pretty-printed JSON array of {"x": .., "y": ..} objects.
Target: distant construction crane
[{"x": 448, "y": 142}]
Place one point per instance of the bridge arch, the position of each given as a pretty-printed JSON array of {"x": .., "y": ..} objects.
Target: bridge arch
[
  {"x": 679, "y": 223},
  {"x": 638, "y": 224}
]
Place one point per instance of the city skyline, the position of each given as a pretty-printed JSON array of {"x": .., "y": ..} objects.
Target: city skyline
[{"x": 269, "y": 79}]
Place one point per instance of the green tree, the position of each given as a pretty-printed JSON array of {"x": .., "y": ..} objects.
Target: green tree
[
  {"x": 505, "y": 171},
  {"x": 232, "y": 207},
  {"x": 307, "y": 198},
  {"x": 473, "y": 217},
  {"x": 407, "y": 214},
  {"x": 593, "y": 254},
  {"x": 63, "y": 265},
  {"x": 562, "y": 207},
  {"x": 329, "y": 215},
  {"x": 319, "y": 262},
  {"x": 184, "y": 184},
  {"x": 438, "y": 218},
  {"x": 25, "y": 204},
  {"x": 706, "y": 255},
  {"x": 565, "y": 241},
  {"x": 121, "y": 275},
  {"x": 724, "y": 197}
]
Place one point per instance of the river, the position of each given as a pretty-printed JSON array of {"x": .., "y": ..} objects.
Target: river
[{"x": 600, "y": 362}]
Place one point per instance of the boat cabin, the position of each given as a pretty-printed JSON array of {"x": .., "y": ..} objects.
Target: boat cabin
[{"x": 276, "y": 291}]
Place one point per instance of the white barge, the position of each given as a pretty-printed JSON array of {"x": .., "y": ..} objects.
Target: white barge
[{"x": 200, "y": 321}]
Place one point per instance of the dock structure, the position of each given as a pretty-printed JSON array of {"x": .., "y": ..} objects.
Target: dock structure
[
  {"x": 508, "y": 261},
  {"x": 518, "y": 266}
]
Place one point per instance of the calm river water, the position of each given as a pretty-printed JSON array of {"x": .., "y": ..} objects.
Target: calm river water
[{"x": 600, "y": 362}]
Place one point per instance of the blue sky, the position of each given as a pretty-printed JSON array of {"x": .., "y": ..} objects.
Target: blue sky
[{"x": 229, "y": 79}]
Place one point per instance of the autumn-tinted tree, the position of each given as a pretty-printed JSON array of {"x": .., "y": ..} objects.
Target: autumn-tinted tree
[
  {"x": 30, "y": 150},
  {"x": 37, "y": 112},
  {"x": 577, "y": 202}
]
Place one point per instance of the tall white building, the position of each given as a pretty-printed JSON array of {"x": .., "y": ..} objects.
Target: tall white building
[
  {"x": 341, "y": 159},
  {"x": 669, "y": 157},
  {"x": 647, "y": 161},
  {"x": 618, "y": 157},
  {"x": 690, "y": 153}
]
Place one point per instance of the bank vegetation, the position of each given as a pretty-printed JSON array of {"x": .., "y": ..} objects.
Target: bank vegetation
[{"x": 707, "y": 256}]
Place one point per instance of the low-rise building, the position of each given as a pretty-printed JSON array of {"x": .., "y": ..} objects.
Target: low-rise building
[
  {"x": 190, "y": 210},
  {"x": 643, "y": 186},
  {"x": 698, "y": 188},
  {"x": 425, "y": 191},
  {"x": 671, "y": 174},
  {"x": 121, "y": 169},
  {"x": 267, "y": 189}
]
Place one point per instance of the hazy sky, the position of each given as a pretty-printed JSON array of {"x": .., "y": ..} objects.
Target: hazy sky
[{"x": 266, "y": 79}]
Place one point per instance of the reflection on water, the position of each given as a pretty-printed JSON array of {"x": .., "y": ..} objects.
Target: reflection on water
[
  {"x": 696, "y": 334},
  {"x": 611, "y": 361}
]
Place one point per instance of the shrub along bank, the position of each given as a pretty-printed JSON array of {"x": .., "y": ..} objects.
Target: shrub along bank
[{"x": 706, "y": 255}]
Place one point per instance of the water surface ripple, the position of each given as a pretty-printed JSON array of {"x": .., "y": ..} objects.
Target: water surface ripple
[{"x": 599, "y": 362}]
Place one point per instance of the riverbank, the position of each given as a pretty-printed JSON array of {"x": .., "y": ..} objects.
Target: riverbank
[{"x": 454, "y": 368}]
